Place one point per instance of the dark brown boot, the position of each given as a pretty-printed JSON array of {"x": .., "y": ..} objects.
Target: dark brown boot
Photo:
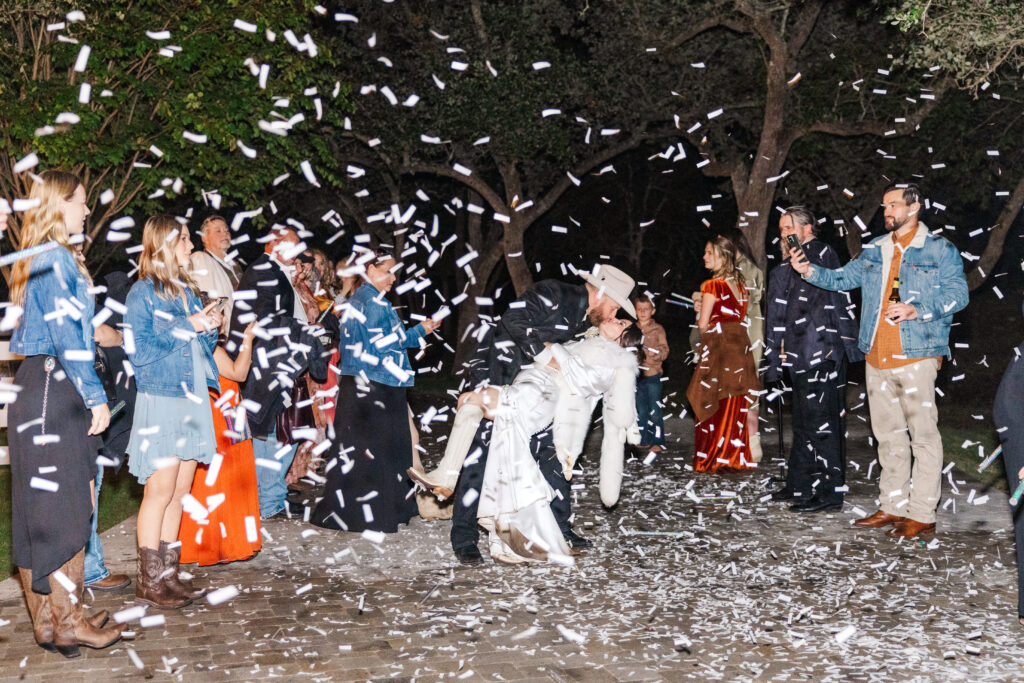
[
  {"x": 84, "y": 632},
  {"x": 39, "y": 610},
  {"x": 149, "y": 586},
  {"x": 170, "y": 555}
]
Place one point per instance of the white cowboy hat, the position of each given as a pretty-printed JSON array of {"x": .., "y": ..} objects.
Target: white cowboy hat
[{"x": 613, "y": 283}]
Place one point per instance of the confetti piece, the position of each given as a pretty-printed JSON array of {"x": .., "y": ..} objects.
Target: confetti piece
[
  {"x": 222, "y": 595},
  {"x": 25, "y": 163}
]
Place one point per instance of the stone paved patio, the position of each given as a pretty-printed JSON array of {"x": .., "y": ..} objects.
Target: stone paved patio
[{"x": 718, "y": 588}]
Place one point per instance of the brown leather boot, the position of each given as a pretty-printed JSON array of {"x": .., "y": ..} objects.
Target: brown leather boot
[
  {"x": 39, "y": 610},
  {"x": 83, "y": 629},
  {"x": 149, "y": 586},
  {"x": 170, "y": 555},
  {"x": 878, "y": 520}
]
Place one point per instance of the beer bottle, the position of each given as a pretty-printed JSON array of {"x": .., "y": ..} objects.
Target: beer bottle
[{"x": 894, "y": 295}]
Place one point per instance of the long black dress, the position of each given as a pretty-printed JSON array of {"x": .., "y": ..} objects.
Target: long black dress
[
  {"x": 50, "y": 519},
  {"x": 367, "y": 487}
]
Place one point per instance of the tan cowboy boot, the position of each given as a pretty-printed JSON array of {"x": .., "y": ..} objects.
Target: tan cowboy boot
[
  {"x": 70, "y": 625},
  {"x": 39, "y": 610}
]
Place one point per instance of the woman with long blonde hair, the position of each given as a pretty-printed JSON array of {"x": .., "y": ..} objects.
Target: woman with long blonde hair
[
  {"x": 724, "y": 385},
  {"x": 171, "y": 352},
  {"x": 56, "y": 420}
]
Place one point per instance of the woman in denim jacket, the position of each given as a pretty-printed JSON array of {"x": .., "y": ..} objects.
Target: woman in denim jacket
[
  {"x": 60, "y": 411},
  {"x": 367, "y": 487},
  {"x": 171, "y": 351}
]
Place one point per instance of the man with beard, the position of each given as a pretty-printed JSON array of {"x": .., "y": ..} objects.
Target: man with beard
[
  {"x": 912, "y": 282},
  {"x": 550, "y": 312}
]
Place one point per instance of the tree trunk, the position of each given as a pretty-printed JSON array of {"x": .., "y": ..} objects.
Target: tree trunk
[
  {"x": 515, "y": 255},
  {"x": 469, "y": 311}
]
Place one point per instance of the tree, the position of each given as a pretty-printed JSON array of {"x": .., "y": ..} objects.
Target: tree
[
  {"x": 821, "y": 78},
  {"x": 148, "y": 99},
  {"x": 980, "y": 43},
  {"x": 509, "y": 100}
]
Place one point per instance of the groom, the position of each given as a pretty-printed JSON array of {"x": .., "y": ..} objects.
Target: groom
[{"x": 549, "y": 312}]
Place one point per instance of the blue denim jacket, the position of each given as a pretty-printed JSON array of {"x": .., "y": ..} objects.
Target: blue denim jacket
[
  {"x": 374, "y": 340},
  {"x": 162, "y": 357},
  {"x": 931, "y": 280},
  {"x": 57, "y": 321}
]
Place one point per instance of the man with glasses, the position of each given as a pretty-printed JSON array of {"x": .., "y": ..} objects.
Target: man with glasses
[{"x": 912, "y": 282}]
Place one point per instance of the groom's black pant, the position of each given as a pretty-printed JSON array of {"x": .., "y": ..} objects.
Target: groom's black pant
[{"x": 542, "y": 445}]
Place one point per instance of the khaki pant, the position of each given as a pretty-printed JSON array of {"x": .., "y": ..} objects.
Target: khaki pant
[{"x": 905, "y": 422}]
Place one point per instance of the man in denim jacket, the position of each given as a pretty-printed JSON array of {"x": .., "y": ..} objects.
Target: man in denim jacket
[{"x": 904, "y": 342}]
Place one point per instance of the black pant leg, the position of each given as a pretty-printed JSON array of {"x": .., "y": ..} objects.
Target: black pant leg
[
  {"x": 1013, "y": 460},
  {"x": 800, "y": 470},
  {"x": 542, "y": 445},
  {"x": 824, "y": 431},
  {"x": 464, "y": 526}
]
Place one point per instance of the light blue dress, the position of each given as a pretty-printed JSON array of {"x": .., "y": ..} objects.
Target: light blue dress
[{"x": 171, "y": 427}]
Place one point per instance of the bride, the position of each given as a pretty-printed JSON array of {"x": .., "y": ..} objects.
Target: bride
[{"x": 561, "y": 386}]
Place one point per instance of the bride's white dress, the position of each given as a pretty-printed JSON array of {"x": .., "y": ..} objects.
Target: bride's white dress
[{"x": 515, "y": 498}]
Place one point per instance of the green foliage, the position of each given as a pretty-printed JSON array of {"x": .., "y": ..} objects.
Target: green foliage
[
  {"x": 146, "y": 92},
  {"x": 972, "y": 39}
]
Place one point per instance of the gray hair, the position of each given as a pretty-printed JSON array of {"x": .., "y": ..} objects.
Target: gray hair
[
  {"x": 802, "y": 216},
  {"x": 210, "y": 219}
]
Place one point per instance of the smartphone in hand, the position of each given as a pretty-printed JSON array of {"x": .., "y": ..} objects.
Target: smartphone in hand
[
  {"x": 217, "y": 304},
  {"x": 794, "y": 246}
]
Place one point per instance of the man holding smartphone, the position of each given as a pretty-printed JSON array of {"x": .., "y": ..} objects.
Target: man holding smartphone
[
  {"x": 811, "y": 336},
  {"x": 912, "y": 282}
]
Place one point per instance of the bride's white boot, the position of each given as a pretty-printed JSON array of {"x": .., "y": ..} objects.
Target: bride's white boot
[{"x": 442, "y": 479}]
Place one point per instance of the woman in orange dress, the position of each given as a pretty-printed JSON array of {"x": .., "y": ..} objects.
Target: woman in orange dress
[
  {"x": 225, "y": 525},
  {"x": 724, "y": 385}
]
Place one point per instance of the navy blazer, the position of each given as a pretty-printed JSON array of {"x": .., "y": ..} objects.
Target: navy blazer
[
  {"x": 813, "y": 324},
  {"x": 550, "y": 311}
]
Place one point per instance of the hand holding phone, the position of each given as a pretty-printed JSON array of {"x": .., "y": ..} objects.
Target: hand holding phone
[{"x": 797, "y": 257}]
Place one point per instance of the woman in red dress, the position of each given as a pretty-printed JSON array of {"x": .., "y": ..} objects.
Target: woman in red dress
[
  {"x": 724, "y": 384},
  {"x": 225, "y": 525}
]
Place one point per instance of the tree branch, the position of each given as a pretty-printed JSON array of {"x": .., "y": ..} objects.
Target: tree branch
[{"x": 994, "y": 247}]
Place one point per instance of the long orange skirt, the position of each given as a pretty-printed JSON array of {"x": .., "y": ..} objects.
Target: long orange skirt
[
  {"x": 231, "y": 530},
  {"x": 721, "y": 442}
]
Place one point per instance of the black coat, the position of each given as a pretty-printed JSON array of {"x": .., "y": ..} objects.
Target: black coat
[
  {"x": 813, "y": 324},
  {"x": 273, "y": 295},
  {"x": 274, "y": 306},
  {"x": 268, "y": 386},
  {"x": 550, "y": 311}
]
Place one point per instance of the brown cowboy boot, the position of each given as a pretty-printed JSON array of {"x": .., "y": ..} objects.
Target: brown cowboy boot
[
  {"x": 42, "y": 616},
  {"x": 39, "y": 610},
  {"x": 170, "y": 555},
  {"x": 72, "y": 614},
  {"x": 149, "y": 586}
]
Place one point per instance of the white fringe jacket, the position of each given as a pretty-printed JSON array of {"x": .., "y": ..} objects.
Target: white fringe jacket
[{"x": 592, "y": 369}]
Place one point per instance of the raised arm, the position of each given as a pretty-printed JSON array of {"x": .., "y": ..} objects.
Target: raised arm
[
  {"x": 849, "y": 276},
  {"x": 238, "y": 369}
]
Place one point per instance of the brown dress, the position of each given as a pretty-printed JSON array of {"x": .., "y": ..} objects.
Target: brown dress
[{"x": 722, "y": 384}]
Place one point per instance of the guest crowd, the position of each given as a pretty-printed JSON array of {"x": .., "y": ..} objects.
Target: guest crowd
[{"x": 227, "y": 388}]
